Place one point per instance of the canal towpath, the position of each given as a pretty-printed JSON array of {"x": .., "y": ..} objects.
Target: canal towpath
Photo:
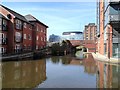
[{"x": 99, "y": 57}]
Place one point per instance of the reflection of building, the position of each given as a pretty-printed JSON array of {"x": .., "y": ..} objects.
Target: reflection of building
[
  {"x": 88, "y": 63},
  {"x": 90, "y": 31},
  {"x": 19, "y": 33},
  {"x": 109, "y": 27},
  {"x": 107, "y": 76},
  {"x": 73, "y": 35},
  {"x": 23, "y": 74}
]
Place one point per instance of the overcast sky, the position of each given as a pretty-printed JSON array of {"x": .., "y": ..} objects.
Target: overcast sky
[{"x": 59, "y": 16}]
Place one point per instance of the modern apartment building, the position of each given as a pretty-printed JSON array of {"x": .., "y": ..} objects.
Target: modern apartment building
[
  {"x": 109, "y": 28},
  {"x": 17, "y": 32},
  {"x": 75, "y": 35},
  {"x": 90, "y": 31}
]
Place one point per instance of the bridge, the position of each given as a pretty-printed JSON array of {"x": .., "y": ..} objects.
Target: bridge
[{"x": 90, "y": 45}]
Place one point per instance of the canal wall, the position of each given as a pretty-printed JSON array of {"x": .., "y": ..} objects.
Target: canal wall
[
  {"x": 21, "y": 56},
  {"x": 17, "y": 56}
]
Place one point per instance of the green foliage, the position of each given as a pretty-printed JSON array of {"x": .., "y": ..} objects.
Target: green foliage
[{"x": 61, "y": 48}]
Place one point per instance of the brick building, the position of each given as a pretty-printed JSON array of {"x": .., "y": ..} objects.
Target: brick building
[
  {"x": 109, "y": 27},
  {"x": 90, "y": 31},
  {"x": 17, "y": 34},
  {"x": 39, "y": 32}
]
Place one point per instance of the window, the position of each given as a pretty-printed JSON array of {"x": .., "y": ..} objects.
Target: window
[
  {"x": 37, "y": 28},
  {"x": 4, "y": 26},
  {"x": 30, "y": 27},
  {"x": 25, "y": 25},
  {"x": 37, "y": 38},
  {"x": 44, "y": 39},
  {"x": 36, "y": 47},
  {"x": 18, "y": 24},
  {"x": 2, "y": 50},
  {"x": 24, "y": 47},
  {"x": 29, "y": 37},
  {"x": 3, "y": 39},
  {"x": 18, "y": 48},
  {"x": 18, "y": 36},
  {"x": 24, "y": 36},
  {"x": 41, "y": 39}
]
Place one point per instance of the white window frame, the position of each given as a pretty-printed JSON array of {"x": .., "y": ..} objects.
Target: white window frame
[
  {"x": 25, "y": 25},
  {"x": 18, "y": 24},
  {"x": 37, "y": 38},
  {"x": 25, "y": 36}
]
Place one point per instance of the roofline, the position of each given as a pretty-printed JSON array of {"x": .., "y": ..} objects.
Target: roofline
[
  {"x": 39, "y": 22},
  {"x": 14, "y": 12},
  {"x": 73, "y": 32}
]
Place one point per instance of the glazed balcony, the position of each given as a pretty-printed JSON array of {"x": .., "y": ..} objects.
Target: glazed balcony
[
  {"x": 114, "y": 13},
  {"x": 114, "y": 1}
]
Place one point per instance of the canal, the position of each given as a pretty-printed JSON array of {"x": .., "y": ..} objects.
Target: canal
[{"x": 60, "y": 72}]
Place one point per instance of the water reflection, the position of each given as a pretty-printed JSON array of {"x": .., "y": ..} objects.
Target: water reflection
[
  {"x": 79, "y": 55},
  {"x": 88, "y": 62},
  {"x": 60, "y": 72},
  {"x": 108, "y": 75},
  {"x": 70, "y": 72},
  {"x": 23, "y": 74}
]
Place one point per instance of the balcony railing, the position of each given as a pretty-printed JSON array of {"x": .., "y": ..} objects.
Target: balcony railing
[
  {"x": 4, "y": 41},
  {"x": 114, "y": 1},
  {"x": 114, "y": 18}
]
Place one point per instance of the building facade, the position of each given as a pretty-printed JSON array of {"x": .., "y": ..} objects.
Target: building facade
[
  {"x": 109, "y": 30},
  {"x": 39, "y": 32},
  {"x": 90, "y": 31},
  {"x": 76, "y": 35},
  {"x": 17, "y": 33}
]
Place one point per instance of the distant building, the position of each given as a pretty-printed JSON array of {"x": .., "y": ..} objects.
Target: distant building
[
  {"x": 54, "y": 38},
  {"x": 75, "y": 35},
  {"x": 90, "y": 31}
]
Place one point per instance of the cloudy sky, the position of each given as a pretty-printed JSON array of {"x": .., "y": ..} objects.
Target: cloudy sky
[{"x": 59, "y": 16}]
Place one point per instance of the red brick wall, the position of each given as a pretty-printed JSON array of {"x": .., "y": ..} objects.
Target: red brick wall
[
  {"x": 89, "y": 44},
  {"x": 101, "y": 44},
  {"x": 41, "y": 33},
  {"x": 10, "y": 37},
  {"x": 27, "y": 31},
  {"x": 109, "y": 41}
]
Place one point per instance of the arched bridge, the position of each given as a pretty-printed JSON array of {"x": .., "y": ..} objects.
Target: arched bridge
[{"x": 89, "y": 44}]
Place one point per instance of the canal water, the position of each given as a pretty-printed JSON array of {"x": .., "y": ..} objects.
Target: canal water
[{"x": 60, "y": 72}]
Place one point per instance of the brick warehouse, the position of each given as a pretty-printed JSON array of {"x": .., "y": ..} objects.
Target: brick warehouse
[{"x": 18, "y": 33}]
